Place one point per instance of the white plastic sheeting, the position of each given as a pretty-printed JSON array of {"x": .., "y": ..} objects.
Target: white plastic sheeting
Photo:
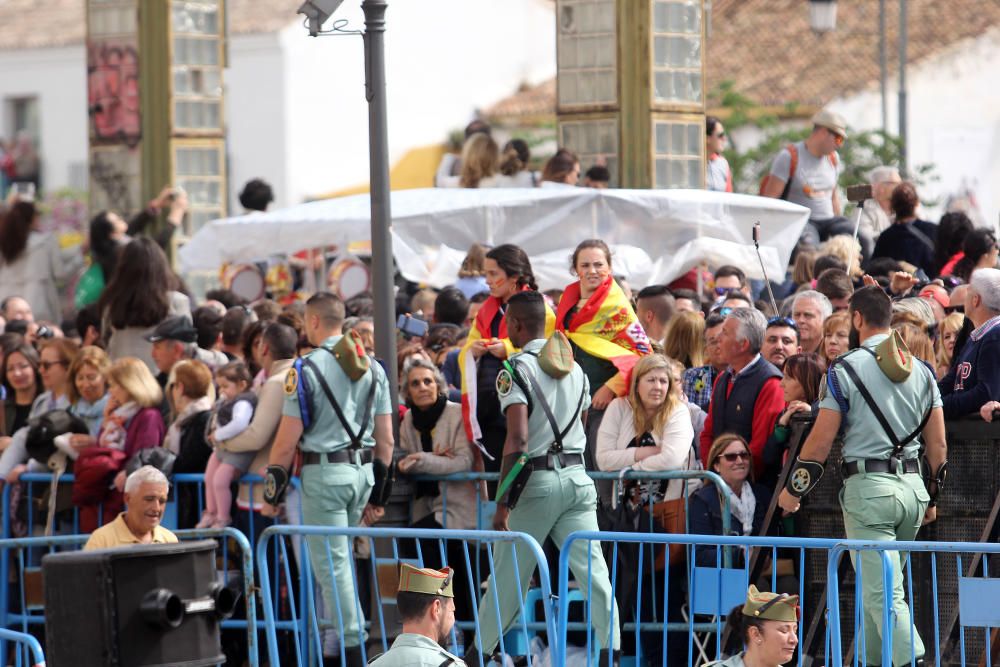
[{"x": 655, "y": 235}]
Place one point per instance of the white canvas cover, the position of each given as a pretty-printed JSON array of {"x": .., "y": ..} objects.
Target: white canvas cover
[{"x": 655, "y": 235}]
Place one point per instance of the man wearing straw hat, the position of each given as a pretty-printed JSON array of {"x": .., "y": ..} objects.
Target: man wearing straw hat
[{"x": 426, "y": 604}]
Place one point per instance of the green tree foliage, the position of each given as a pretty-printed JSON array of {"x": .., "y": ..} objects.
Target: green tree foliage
[{"x": 862, "y": 152}]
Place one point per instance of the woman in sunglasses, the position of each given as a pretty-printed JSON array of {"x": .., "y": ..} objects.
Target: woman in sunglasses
[
  {"x": 55, "y": 356},
  {"x": 719, "y": 176},
  {"x": 729, "y": 457}
]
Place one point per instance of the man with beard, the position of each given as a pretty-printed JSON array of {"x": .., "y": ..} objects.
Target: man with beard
[
  {"x": 426, "y": 604},
  {"x": 884, "y": 496}
]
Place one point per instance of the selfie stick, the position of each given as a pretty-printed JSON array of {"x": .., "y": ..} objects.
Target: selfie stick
[{"x": 767, "y": 283}]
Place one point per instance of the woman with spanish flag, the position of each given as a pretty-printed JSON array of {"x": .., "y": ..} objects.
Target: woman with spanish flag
[
  {"x": 508, "y": 271},
  {"x": 607, "y": 337}
]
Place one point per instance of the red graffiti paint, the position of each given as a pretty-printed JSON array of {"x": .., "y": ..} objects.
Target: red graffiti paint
[{"x": 113, "y": 91}]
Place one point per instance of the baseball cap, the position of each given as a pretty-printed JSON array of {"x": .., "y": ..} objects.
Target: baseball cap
[
  {"x": 832, "y": 121},
  {"x": 176, "y": 327}
]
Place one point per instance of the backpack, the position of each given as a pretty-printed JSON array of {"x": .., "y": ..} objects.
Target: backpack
[{"x": 794, "y": 152}]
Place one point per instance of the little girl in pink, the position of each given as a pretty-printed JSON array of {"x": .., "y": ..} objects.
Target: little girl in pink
[{"x": 232, "y": 416}]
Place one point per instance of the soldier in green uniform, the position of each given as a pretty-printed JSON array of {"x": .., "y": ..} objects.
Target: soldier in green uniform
[
  {"x": 544, "y": 489},
  {"x": 767, "y": 624},
  {"x": 337, "y": 411},
  {"x": 885, "y": 402},
  {"x": 426, "y": 605}
]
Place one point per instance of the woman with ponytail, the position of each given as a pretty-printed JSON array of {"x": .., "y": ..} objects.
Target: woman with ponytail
[{"x": 508, "y": 271}]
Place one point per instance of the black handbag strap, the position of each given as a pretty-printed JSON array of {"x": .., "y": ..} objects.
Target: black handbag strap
[
  {"x": 369, "y": 403},
  {"x": 536, "y": 389},
  {"x": 897, "y": 444}
]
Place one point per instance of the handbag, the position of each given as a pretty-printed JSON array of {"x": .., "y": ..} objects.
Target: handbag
[{"x": 671, "y": 515}]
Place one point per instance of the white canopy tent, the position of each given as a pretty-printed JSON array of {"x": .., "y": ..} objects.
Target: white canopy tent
[{"x": 655, "y": 235}]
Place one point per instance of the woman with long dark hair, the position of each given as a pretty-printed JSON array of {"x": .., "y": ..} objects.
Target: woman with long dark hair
[
  {"x": 508, "y": 271},
  {"x": 952, "y": 230},
  {"x": 21, "y": 384},
  {"x": 979, "y": 252},
  {"x": 141, "y": 294},
  {"x": 31, "y": 263},
  {"x": 562, "y": 169},
  {"x": 108, "y": 233}
]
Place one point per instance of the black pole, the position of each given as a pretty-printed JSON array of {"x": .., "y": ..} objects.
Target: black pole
[{"x": 378, "y": 150}]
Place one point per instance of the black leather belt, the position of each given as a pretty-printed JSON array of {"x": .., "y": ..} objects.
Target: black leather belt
[
  {"x": 548, "y": 461},
  {"x": 882, "y": 465},
  {"x": 341, "y": 456}
]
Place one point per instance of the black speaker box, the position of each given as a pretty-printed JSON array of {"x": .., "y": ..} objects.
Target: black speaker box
[{"x": 140, "y": 606}]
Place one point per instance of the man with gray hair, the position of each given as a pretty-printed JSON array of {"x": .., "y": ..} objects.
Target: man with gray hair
[
  {"x": 810, "y": 310},
  {"x": 145, "y": 498},
  {"x": 974, "y": 381},
  {"x": 747, "y": 397}
]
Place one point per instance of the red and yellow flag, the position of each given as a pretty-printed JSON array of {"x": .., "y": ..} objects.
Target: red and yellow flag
[{"x": 605, "y": 327}]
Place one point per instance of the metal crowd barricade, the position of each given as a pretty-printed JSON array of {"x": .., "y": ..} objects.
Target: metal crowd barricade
[
  {"x": 28, "y": 651},
  {"x": 954, "y": 629},
  {"x": 484, "y": 508},
  {"x": 712, "y": 590},
  {"x": 308, "y": 625},
  {"x": 29, "y": 609}
]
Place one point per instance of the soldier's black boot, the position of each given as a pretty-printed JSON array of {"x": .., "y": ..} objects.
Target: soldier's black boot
[
  {"x": 602, "y": 660},
  {"x": 353, "y": 656}
]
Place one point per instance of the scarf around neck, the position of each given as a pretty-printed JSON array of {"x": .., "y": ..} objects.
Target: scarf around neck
[
  {"x": 115, "y": 427},
  {"x": 173, "y": 439},
  {"x": 743, "y": 506},
  {"x": 424, "y": 421}
]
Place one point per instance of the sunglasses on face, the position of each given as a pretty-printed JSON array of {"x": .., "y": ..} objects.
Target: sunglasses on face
[
  {"x": 46, "y": 365},
  {"x": 732, "y": 458},
  {"x": 782, "y": 321},
  {"x": 837, "y": 139}
]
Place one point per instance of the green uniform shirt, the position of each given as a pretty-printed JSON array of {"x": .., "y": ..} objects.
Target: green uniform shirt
[
  {"x": 903, "y": 404},
  {"x": 563, "y": 396},
  {"x": 413, "y": 650},
  {"x": 326, "y": 433}
]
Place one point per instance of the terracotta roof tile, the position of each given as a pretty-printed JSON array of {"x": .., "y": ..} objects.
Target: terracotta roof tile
[
  {"x": 35, "y": 24},
  {"x": 768, "y": 50}
]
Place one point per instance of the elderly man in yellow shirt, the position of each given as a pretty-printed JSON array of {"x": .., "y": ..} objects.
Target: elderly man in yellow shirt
[{"x": 145, "y": 498}]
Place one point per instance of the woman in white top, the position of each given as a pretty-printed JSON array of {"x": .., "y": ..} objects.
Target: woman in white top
[
  {"x": 31, "y": 263},
  {"x": 141, "y": 294},
  {"x": 649, "y": 429}
]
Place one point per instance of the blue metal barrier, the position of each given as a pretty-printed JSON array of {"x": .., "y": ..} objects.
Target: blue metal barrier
[
  {"x": 307, "y": 626},
  {"x": 711, "y": 587},
  {"x": 28, "y": 651},
  {"x": 484, "y": 507},
  {"x": 30, "y": 613},
  {"x": 977, "y": 605}
]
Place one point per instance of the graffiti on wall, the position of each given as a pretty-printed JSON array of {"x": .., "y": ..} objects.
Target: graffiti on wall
[
  {"x": 114, "y": 179},
  {"x": 113, "y": 91}
]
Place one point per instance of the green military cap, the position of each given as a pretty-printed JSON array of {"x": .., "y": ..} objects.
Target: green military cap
[
  {"x": 556, "y": 356},
  {"x": 425, "y": 580},
  {"x": 771, "y": 606},
  {"x": 350, "y": 354}
]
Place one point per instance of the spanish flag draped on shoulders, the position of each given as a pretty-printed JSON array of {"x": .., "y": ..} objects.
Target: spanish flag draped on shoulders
[
  {"x": 482, "y": 329},
  {"x": 606, "y": 328}
]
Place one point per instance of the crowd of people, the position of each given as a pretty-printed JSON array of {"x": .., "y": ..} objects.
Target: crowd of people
[{"x": 701, "y": 373}]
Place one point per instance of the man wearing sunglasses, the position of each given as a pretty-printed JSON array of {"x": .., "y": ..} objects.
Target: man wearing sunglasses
[{"x": 806, "y": 173}]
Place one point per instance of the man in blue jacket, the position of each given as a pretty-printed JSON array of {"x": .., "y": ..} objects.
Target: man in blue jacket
[{"x": 974, "y": 380}]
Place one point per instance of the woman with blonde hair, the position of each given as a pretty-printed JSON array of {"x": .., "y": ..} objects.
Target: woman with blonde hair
[
  {"x": 649, "y": 428},
  {"x": 480, "y": 162},
  {"x": 947, "y": 335},
  {"x": 847, "y": 249},
  {"x": 685, "y": 340},
  {"x": 918, "y": 342},
  {"x": 132, "y": 422},
  {"x": 836, "y": 336},
  {"x": 88, "y": 388},
  {"x": 472, "y": 274}
]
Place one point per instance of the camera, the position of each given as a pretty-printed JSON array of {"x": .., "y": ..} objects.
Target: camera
[
  {"x": 44, "y": 332},
  {"x": 412, "y": 327},
  {"x": 859, "y": 193}
]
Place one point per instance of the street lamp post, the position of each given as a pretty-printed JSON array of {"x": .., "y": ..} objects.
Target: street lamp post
[{"x": 381, "y": 216}]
